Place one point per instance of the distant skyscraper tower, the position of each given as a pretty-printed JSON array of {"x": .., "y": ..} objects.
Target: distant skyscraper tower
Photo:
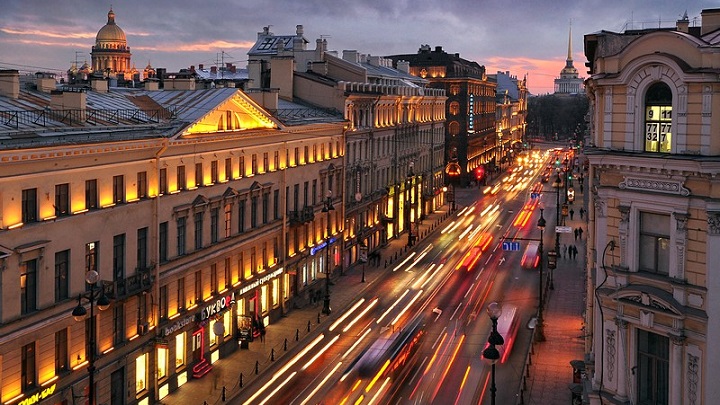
[
  {"x": 569, "y": 82},
  {"x": 111, "y": 54}
]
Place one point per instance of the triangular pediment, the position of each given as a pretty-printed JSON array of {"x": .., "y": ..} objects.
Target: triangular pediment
[{"x": 235, "y": 113}]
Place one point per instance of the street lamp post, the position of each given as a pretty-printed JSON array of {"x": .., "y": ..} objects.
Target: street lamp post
[
  {"x": 556, "y": 185},
  {"x": 361, "y": 248},
  {"x": 491, "y": 353},
  {"x": 93, "y": 297},
  {"x": 327, "y": 207},
  {"x": 540, "y": 335}
]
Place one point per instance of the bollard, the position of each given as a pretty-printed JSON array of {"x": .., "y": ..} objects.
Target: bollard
[
  {"x": 257, "y": 367},
  {"x": 308, "y": 326},
  {"x": 223, "y": 394},
  {"x": 386, "y": 263},
  {"x": 297, "y": 334},
  {"x": 240, "y": 380},
  {"x": 285, "y": 345},
  {"x": 272, "y": 354},
  {"x": 318, "y": 317}
]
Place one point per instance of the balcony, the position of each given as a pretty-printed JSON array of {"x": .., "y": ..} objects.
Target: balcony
[
  {"x": 302, "y": 217},
  {"x": 140, "y": 282}
]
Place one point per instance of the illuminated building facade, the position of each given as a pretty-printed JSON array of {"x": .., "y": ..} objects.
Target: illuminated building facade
[
  {"x": 653, "y": 303},
  {"x": 569, "y": 82},
  {"x": 470, "y": 137},
  {"x": 394, "y": 137},
  {"x": 111, "y": 53},
  {"x": 511, "y": 115},
  {"x": 179, "y": 200}
]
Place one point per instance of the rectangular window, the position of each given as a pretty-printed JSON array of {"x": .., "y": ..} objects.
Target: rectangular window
[
  {"x": 306, "y": 190},
  {"x": 276, "y": 160},
  {"x": 119, "y": 257},
  {"x": 653, "y": 368},
  {"x": 276, "y": 204},
  {"x": 180, "y": 179},
  {"x": 213, "y": 278},
  {"x": 265, "y": 207},
  {"x": 228, "y": 276},
  {"x": 266, "y": 162},
  {"x": 163, "y": 241},
  {"x": 654, "y": 243},
  {"x": 62, "y": 199},
  {"x": 163, "y": 183},
  {"x": 198, "y": 286},
  {"x": 296, "y": 197},
  {"x": 142, "y": 248},
  {"x": 181, "y": 235},
  {"x": 181, "y": 293},
  {"x": 254, "y": 164},
  {"x": 306, "y": 154},
  {"x": 242, "y": 166},
  {"x": 162, "y": 362},
  {"x": 61, "y": 352},
  {"x": 119, "y": 189},
  {"x": 198, "y": 230},
  {"x": 253, "y": 211},
  {"x": 142, "y": 185},
  {"x": 118, "y": 323},
  {"x": 28, "y": 286},
  {"x": 180, "y": 350},
  {"x": 214, "y": 176},
  {"x": 91, "y": 194},
  {"x": 141, "y": 373},
  {"x": 29, "y": 205},
  {"x": 62, "y": 269},
  {"x": 198, "y": 174},
  {"x": 241, "y": 215},
  {"x": 228, "y": 169},
  {"x": 228, "y": 220},
  {"x": 92, "y": 250},
  {"x": 214, "y": 224},
  {"x": 296, "y": 157},
  {"x": 163, "y": 302},
  {"x": 314, "y": 192},
  {"x": 27, "y": 368}
]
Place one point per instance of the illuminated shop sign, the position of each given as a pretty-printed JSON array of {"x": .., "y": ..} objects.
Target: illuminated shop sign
[
  {"x": 217, "y": 306},
  {"x": 262, "y": 280},
  {"x": 169, "y": 330},
  {"x": 317, "y": 248},
  {"x": 38, "y": 396}
]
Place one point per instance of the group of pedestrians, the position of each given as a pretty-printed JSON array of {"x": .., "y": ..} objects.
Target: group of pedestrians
[
  {"x": 569, "y": 252},
  {"x": 578, "y": 232}
]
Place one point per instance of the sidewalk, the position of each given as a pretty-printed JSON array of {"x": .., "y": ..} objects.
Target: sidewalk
[
  {"x": 284, "y": 337},
  {"x": 550, "y": 372}
]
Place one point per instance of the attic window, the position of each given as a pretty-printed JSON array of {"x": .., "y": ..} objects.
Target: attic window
[{"x": 658, "y": 118}]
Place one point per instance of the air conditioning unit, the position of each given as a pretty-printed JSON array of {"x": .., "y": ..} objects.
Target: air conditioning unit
[{"x": 143, "y": 328}]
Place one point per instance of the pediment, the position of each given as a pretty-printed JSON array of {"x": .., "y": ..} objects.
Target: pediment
[
  {"x": 233, "y": 114},
  {"x": 649, "y": 297}
]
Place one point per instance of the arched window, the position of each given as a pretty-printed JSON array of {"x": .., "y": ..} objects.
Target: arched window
[
  {"x": 454, "y": 128},
  {"x": 658, "y": 118},
  {"x": 454, "y": 108}
]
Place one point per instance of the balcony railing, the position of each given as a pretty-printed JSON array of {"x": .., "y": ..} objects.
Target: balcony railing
[
  {"x": 139, "y": 282},
  {"x": 303, "y": 216}
]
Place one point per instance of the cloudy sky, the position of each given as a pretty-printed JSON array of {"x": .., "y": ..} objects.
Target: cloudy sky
[{"x": 524, "y": 37}]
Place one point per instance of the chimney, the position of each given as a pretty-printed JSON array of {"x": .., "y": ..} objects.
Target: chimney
[
  {"x": 69, "y": 100},
  {"x": 201, "y": 66},
  {"x": 403, "y": 66},
  {"x": 351, "y": 55},
  {"x": 99, "y": 85},
  {"x": 438, "y": 49},
  {"x": 281, "y": 75},
  {"x": 710, "y": 20},
  {"x": 683, "y": 23},
  {"x": 45, "y": 82},
  {"x": 10, "y": 83},
  {"x": 213, "y": 69},
  {"x": 152, "y": 85}
]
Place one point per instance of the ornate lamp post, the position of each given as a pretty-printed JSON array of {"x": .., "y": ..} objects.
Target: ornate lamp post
[
  {"x": 409, "y": 204},
  {"x": 96, "y": 296},
  {"x": 556, "y": 185},
  {"x": 540, "y": 335},
  {"x": 491, "y": 353},
  {"x": 327, "y": 207}
]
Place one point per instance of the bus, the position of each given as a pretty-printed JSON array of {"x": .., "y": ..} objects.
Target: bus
[
  {"x": 531, "y": 257},
  {"x": 507, "y": 326}
]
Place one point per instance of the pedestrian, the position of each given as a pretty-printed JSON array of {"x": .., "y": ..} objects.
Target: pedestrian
[
  {"x": 564, "y": 251},
  {"x": 581, "y": 187},
  {"x": 582, "y": 212},
  {"x": 575, "y": 252},
  {"x": 575, "y": 231},
  {"x": 262, "y": 334},
  {"x": 572, "y": 251},
  {"x": 580, "y": 232},
  {"x": 572, "y": 212}
]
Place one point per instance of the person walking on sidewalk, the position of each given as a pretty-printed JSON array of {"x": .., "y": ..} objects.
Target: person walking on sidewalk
[
  {"x": 582, "y": 212},
  {"x": 575, "y": 231},
  {"x": 564, "y": 251},
  {"x": 580, "y": 232},
  {"x": 572, "y": 212}
]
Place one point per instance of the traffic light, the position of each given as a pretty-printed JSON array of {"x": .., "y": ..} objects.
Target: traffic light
[
  {"x": 479, "y": 173},
  {"x": 571, "y": 194},
  {"x": 569, "y": 176}
]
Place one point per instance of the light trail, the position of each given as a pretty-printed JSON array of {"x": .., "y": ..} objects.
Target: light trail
[
  {"x": 412, "y": 301},
  {"x": 361, "y": 314},
  {"x": 357, "y": 342},
  {"x": 346, "y": 314},
  {"x": 407, "y": 259},
  {"x": 324, "y": 380},
  {"x": 321, "y": 351},
  {"x": 387, "y": 311}
]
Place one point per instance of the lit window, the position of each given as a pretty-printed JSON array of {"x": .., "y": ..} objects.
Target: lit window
[
  {"x": 654, "y": 243},
  {"x": 180, "y": 350},
  {"x": 162, "y": 362},
  {"x": 141, "y": 373},
  {"x": 658, "y": 118}
]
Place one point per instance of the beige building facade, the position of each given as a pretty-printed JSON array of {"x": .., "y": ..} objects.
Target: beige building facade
[
  {"x": 181, "y": 207},
  {"x": 653, "y": 292}
]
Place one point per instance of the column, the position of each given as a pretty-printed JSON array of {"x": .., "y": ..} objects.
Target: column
[
  {"x": 623, "y": 233},
  {"x": 678, "y": 269},
  {"x": 676, "y": 368},
  {"x": 708, "y": 389},
  {"x": 622, "y": 359}
]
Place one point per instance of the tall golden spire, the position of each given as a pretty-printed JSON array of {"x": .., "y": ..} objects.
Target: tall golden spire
[{"x": 569, "y": 57}]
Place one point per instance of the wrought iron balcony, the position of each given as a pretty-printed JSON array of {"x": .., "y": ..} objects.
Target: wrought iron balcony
[
  {"x": 139, "y": 282},
  {"x": 302, "y": 217}
]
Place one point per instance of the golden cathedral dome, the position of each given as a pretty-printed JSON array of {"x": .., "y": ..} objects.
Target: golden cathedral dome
[{"x": 110, "y": 34}]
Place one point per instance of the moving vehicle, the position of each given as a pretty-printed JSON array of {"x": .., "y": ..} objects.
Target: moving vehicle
[
  {"x": 531, "y": 257},
  {"x": 507, "y": 327}
]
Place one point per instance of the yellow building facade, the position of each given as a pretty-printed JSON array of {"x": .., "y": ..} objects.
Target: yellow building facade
[{"x": 653, "y": 292}]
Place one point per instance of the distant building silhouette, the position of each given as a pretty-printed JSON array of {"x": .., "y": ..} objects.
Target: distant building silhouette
[{"x": 569, "y": 82}]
